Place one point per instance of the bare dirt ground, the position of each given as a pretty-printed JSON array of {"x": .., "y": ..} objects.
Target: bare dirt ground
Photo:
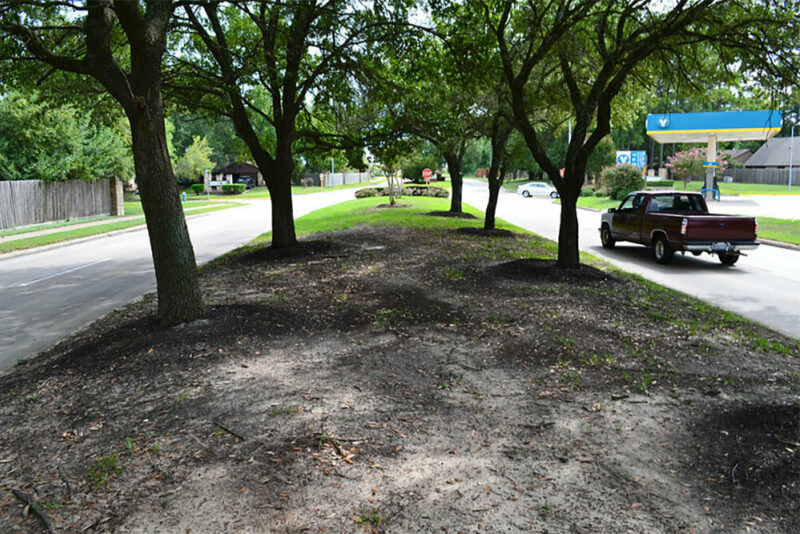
[{"x": 399, "y": 380}]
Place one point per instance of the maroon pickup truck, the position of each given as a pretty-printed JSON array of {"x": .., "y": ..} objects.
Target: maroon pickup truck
[{"x": 677, "y": 221}]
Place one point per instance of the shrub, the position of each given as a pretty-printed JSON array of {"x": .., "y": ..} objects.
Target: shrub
[
  {"x": 234, "y": 189},
  {"x": 620, "y": 180},
  {"x": 367, "y": 192},
  {"x": 425, "y": 191},
  {"x": 587, "y": 191},
  {"x": 599, "y": 193},
  {"x": 307, "y": 182},
  {"x": 688, "y": 164},
  {"x": 660, "y": 183},
  {"x": 198, "y": 189},
  {"x": 411, "y": 190}
]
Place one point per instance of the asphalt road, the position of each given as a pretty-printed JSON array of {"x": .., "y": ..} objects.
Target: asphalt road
[
  {"x": 48, "y": 294},
  {"x": 764, "y": 286}
]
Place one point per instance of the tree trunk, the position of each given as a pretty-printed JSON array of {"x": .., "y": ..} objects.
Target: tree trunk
[
  {"x": 491, "y": 207},
  {"x": 568, "y": 254},
  {"x": 457, "y": 180},
  {"x": 280, "y": 192},
  {"x": 179, "y": 297},
  {"x": 283, "y": 232}
]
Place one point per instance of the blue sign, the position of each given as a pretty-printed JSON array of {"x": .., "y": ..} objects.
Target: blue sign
[
  {"x": 639, "y": 159},
  {"x": 725, "y": 125}
]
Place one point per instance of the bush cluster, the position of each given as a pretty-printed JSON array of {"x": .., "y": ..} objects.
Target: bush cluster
[
  {"x": 198, "y": 189},
  {"x": 411, "y": 190},
  {"x": 587, "y": 191},
  {"x": 234, "y": 189},
  {"x": 620, "y": 180}
]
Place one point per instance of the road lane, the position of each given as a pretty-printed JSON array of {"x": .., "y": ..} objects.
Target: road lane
[
  {"x": 48, "y": 294},
  {"x": 764, "y": 286}
]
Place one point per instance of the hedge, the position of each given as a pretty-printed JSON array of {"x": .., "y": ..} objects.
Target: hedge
[
  {"x": 409, "y": 190},
  {"x": 198, "y": 189},
  {"x": 234, "y": 189},
  {"x": 660, "y": 183}
]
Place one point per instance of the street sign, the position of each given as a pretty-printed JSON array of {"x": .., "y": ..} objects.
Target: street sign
[
  {"x": 637, "y": 158},
  {"x": 427, "y": 173}
]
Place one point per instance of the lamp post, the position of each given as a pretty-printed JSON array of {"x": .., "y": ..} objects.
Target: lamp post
[{"x": 791, "y": 154}]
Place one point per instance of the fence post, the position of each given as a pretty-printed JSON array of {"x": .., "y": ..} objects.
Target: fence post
[{"x": 117, "y": 201}]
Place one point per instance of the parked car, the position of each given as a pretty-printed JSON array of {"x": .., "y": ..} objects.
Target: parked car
[
  {"x": 677, "y": 221},
  {"x": 537, "y": 189},
  {"x": 249, "y": 181}
]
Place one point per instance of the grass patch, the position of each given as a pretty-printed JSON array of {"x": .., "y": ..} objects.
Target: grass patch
[
  {"x": 50, "y": 226},
  {"x": 77, "y": 233},
  {"x": 741, "y": 189},
  {"x": 598, "y": 203},
  {"x": 785, "y": 230},
  {"x": 263, "y": 192},
  {"x": 135, "y": 207}
]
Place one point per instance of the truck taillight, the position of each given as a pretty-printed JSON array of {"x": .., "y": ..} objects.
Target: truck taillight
[
  {"x": 684, "y": 224},
  {"x": 756, "y": 230}
]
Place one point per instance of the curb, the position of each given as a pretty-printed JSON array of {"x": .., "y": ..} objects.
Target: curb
[
  {"x": 779, "y": 244},
  {"x": 33, "y": 250}
]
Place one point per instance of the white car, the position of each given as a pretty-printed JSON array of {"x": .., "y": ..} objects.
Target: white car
[{"x": 539, "y": 189}]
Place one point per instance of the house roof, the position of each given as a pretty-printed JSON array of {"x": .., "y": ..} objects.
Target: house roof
[
  {"x": 239, "y": 168},
  {"x": 740, "y": 155},
  {"x": 775, "y": 153}
]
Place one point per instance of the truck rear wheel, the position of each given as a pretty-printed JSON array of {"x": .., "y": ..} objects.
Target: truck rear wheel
[
  {"x": 729, "y": 258},
  {"x": 662, "y": 252},
  {"x": 606, "y": 238}
]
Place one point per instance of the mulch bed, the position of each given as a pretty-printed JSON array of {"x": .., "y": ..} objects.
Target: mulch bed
[{"x": 408, "y": 381}]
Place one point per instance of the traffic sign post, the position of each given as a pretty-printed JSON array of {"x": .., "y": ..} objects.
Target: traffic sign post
[{"x": 426, "y": 174}]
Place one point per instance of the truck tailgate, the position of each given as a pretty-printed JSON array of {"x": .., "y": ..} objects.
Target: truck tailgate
[{"x": 720, "y": 228}]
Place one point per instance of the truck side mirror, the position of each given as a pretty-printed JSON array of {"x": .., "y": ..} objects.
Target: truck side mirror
[{"x": 612, "y": 210}]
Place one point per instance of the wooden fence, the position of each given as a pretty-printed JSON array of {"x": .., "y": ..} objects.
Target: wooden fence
[
  {"x": 27, "y": 202},
  {"x": 762, "y": 176}
]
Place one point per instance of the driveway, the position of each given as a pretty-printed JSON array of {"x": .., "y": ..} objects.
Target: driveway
[
  {"x": 764, "y": 286},
  {"x": 48, "y": 294}
]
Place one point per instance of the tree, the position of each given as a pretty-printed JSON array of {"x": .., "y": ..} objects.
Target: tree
[
  {"x": 688, "y": 164},
  {"x": 263, "y": 63},
  {"x": 590, "y": 50},
  {"x": 119, "y": 45},
  {"x": 425, "y": 92},
  {"x": 195, "y": 160}
]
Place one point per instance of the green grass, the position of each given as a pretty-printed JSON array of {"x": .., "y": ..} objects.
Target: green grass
[
  {"x": 262, "y": 192},
  {"x": 132, "y": 207},
  {"x": 741, "y": 189},
  {"x": 363, "y": 212},
  {"x": 598, "y": 203},
  {"x": 135, "y": 207},
  {"x": 49, "y": 226},
  {"x": 77, "y": 233},
  {"x": 785, "y": 230}
]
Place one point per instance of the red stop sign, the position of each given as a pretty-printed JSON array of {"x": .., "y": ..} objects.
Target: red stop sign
[{"x": 427, "y": 173}]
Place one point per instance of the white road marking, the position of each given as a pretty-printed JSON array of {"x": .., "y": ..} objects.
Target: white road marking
[{"x": 42, "y": 279}]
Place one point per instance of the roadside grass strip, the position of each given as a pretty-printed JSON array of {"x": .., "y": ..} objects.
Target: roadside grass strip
[{"x": 78, "y": 233}]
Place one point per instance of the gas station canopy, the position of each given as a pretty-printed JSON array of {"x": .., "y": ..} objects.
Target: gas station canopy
[{"x": 725, "y": 125}]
